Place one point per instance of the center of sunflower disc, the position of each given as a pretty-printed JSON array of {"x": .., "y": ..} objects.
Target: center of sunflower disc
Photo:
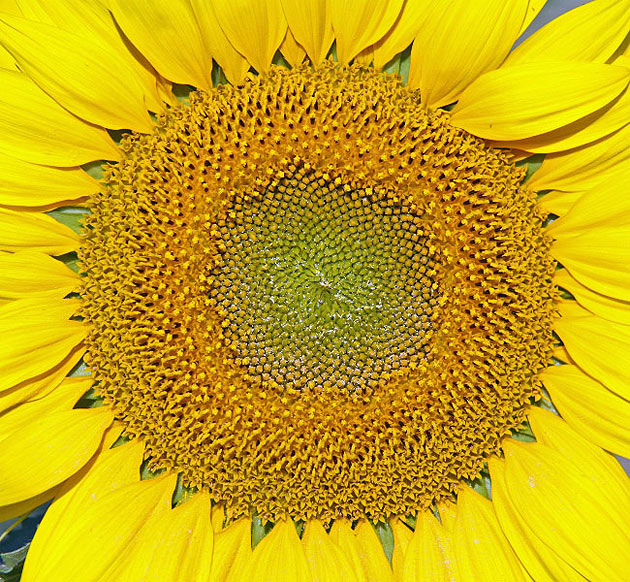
[
  {"x": 311, "y": 297},
  {"x": 315, "y": 281}
]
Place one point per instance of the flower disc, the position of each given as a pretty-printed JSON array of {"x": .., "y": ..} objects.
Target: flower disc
[{"x": 313, "y": 298}]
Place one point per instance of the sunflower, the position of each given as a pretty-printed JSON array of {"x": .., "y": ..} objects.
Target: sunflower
[{"x": 315, "y": 291}]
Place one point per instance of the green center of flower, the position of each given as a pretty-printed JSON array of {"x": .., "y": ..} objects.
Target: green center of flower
[
  {"x": 320, "y": 285},
  {"x": 311, "y": 297}
]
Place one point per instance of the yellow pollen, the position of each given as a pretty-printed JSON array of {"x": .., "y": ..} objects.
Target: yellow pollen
[{"x": 313, "y": 298}]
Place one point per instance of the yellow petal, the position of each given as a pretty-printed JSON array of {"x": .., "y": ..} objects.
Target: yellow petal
[
  {"x": 95, "y": 19},
  {"x": 6, "y": 59},
  {"x": 32, "y": 345},
  {"x": 64, "y": 397},
  {"x": 217, "y": 516},
  {"x": 607, "y": 474},
  {"x": 14, "y": 510},
  {"x": 83, "y": 73},
  {"x": 103, "y": 532},
  {"x": 35, "y": 129},
  {"x": 597, "y": 125},
  {"x": 232, "y": 551},
  {"x": 256, "y": 28},
  {"x": 25, "y": 184},
  {"x": 429, "y": 554},
  {"x": 567, "y": 508},
  {"x": 342, "y": 534},
  {"x": 582, "y": 168},
  {"x": 109, "y": 470},
  {"x": 533, "y": 9},
  {"x": 459, "y": 41},
  {"x": 310, "y": 21},
  {"x": 591, "y": 409},
  {"x": 278, "y": 557},
  {"x": 50, "y": 449},
  {"x": 233, "y": 63},
  {"x": 599, "y": 207},
  {"x": 598, "y": 346},
  {"x": 514, "y": 103},
  {"x": 36, "y": 232},
  {"x": 402, "y": 33},
  {"x": 598, "y": 258},
  {"x": 402, "y": 537},
  {"x": 540, "y": 560},
  {"x": 326, "y": 561},
  {"x": 447, "y": 510},
  {"x": 591, "y": 32},
  {"x": 558, "y": 202},
  {"x": 167, "y": 33},
  {"x": 27, "y": 272},
  {"x": 43, "y": 384},
  {"x": 371, "y": 553},
  {"x": 291, "y": 50},
  {"x": 601, "y": 305},
  {"x": 481, "y": 549},
  {"x": 360, "y": 23},
  {"x": 174, "y": 545}
]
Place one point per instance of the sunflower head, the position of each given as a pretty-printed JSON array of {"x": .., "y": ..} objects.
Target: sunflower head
[{"x": 333, "y": 260}]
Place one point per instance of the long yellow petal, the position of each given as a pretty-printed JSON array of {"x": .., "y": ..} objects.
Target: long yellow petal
[
  {"x": 30, "y": 185},
  {"x": 540, "y": 560},
  {"x": 232, "y": 551},
  {"x": 518, "y": 102},
  {"x": 64, "y": 397},
  {"x": 50, "y": 449},
  {"x": 167, "y": 33},
  {"x": 429, "y": 554},
  {"x": 95, "y": 19},
  {"x": 599, "y": 207},
  {"x": 310, "y": 21},
  {"x": 293, "y": 52},
  {"x": 371, "y": 553},
  {"x": 601, "y": 305},
  {"x": 558, "y": 202},
  {"x": 173, "y": 546},
  {"x": 326, "y": 561},
  {"x": 278, "y": 557},
  {"x": 41, "y": 385},
  {"x": 103, "y": 532},
  {"x": 342, "y": 534},
  {"x": 533, "y": 9},
  {"x": 598, "y": 346},
  {"x": 582, "y": 168},
  {"x": 36, "y": 232},
  {"x": 598, "y": 259},
  {"x": 402, "y": 33},
  {"x": 83, "y": 73},
  {"x": 604, "y": 471},
  {"x": 589, "y": 129},
  {"x": 459, "y": 41},
  {"x": 8, "y": 512},
  {"x": 568, "y": 509},
  {"x": 360, "y": 23},
  {"x": 31, "y": 345},
  {"x": 591, "y": 32},
  {"x": 233, "y": 63},
  {"x": 27, "y": 272},
  {"x": 108, "y": 471},
  {"x": 591, "y": 409},
  {"x": 35, "y": 129},
  {"x": 482, "y": 552},
  {"x": 256, "y": 28},
  {"x": 402, "y": 537}
]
